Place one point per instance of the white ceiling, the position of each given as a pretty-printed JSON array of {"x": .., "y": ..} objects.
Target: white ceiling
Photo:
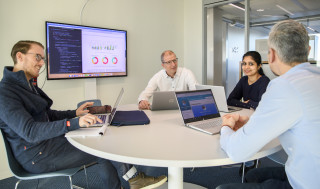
[{"x": 305, "y": 11}]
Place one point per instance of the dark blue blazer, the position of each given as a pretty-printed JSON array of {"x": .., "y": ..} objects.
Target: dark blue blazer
[{"x": 33, "y": 129}]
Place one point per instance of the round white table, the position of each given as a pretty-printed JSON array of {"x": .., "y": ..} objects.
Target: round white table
[{"x": 165, "y": 142}]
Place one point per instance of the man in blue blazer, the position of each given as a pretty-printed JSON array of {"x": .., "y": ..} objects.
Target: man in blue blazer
[{"x": 36, "y": 132}]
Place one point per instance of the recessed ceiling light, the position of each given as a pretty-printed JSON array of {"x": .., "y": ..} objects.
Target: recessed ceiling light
[
  {"x": 311, "y": 28},
  {"x": 236, "y": 6},
  {"x": 285, "y": 10}
]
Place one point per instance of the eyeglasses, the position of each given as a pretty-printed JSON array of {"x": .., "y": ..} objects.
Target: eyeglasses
[
  {"x": 171, "y": 61},
  {"x": 38, "y": 57}
]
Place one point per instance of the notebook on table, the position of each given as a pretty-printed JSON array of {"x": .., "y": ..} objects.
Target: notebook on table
[
  {"x": 220, "y": 97},
  {"x": 107, "y": 118},
  {"x": 199, "y": 110},
  {"x": 132, "y": 117},
  {"x": 164, "y": 100}
]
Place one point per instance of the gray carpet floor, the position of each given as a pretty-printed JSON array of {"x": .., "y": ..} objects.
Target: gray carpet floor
[{"x": 209, "y": 177}]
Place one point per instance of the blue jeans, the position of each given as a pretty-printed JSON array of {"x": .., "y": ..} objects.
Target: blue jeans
[
  {"x": 67, "y": 156},
  {"x": 262, "y": 178}
]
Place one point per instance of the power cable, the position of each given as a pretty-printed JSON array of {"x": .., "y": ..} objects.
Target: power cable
[{"x": 82, "y": 10}]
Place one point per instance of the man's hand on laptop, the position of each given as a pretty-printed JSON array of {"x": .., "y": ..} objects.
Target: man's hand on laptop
[
  {"x": 144, "y": 105},
  {"x": 234, "y": 121},
  {"x": 82, "y": 109},
  {"x": 88, "y": 120}
]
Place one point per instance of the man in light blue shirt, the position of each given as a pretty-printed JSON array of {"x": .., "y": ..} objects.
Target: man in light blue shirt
[{"x": 289, "y": 110}]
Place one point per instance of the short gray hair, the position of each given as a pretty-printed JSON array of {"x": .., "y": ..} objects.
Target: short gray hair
[
  {"x": 166, "y": 52},
  {"x": 290, "y": 40}
]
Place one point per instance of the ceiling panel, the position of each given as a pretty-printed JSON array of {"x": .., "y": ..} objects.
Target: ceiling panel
[{"x": 275, "y": 10}]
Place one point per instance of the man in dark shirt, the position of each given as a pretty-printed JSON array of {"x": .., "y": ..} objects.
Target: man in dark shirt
[{"x": 36, "y": 132}]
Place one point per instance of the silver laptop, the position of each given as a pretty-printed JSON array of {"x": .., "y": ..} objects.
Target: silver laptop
[
  {"x": 199, "y": 110},
  {"x": 220, "y": 97},
  {"x": 107, "y": 118},
  {"x": 164, "y": 100}
]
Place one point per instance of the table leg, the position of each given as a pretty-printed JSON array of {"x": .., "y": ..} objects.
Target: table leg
[{"x": 175, "y": 180}]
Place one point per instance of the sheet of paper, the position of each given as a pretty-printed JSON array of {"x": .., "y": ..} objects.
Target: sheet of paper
[{"x": 91, "y": 131}]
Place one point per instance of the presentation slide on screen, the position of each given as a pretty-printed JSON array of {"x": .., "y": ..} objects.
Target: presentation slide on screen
[
  {"x": 79, "y": 51},
  {"x": 103, "y": 52}
]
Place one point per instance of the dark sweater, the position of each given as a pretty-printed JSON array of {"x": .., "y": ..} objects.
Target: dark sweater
[
  {"x": 251, "y": 92},
  {"x": 24, "y": 116}
]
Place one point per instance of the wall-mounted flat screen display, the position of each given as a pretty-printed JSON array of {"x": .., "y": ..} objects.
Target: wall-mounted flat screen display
[{"x": 78, "y": 51}]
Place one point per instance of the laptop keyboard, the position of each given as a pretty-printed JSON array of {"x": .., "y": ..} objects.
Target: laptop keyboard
[
  {"x": 102, "y": 117},
  {"x": 206, "y": 124}
]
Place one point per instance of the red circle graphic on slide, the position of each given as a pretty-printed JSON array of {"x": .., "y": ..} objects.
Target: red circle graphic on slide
[
  {"x": 114, "y": 60},
  {"x": 105, "y": 60},
  {"x": 95, "y": 60}
]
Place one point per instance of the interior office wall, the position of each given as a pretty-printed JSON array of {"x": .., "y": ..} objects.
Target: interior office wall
[
  {"x": 193, "y": 37},
  {"x": 152, "y": 26},
  {"x": 210, "y": 66}
]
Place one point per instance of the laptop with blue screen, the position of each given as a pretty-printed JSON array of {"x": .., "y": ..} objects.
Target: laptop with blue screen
[
  {"x": 220, "y": 97},
  {"x": 199, "y": 110}
]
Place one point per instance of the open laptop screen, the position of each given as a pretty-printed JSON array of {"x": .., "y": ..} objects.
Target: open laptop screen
[
  {"x": 114, "y": 109},
  {"x": 197, "y": 105},
  {"x": 164, "y": 100}
]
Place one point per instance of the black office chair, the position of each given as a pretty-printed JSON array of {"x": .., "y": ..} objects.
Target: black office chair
[
  {"x": 22, "y": 174},
  {"x": 279, "y": 157}
]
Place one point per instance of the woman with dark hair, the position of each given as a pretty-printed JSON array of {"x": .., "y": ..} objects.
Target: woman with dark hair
[{"x": 251, "y": 87}]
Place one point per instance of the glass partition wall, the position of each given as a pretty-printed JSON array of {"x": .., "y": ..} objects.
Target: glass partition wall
[{"x": 233, "y": 27}]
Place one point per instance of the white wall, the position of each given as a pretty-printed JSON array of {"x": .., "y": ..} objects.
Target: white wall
[
  {"x": 193, "y": 37},
  {"x": 152, "y": 25}
]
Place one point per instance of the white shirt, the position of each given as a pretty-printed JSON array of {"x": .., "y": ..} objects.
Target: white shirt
[
  {"x": 289, "y": 110},
  {"x": 183, "y": 80}
]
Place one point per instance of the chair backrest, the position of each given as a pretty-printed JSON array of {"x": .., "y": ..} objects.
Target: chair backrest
[
  {"x": 280, "y": 157},
  {"x": 97, "y": 102},
  {"x": 15, "y": 167}
]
